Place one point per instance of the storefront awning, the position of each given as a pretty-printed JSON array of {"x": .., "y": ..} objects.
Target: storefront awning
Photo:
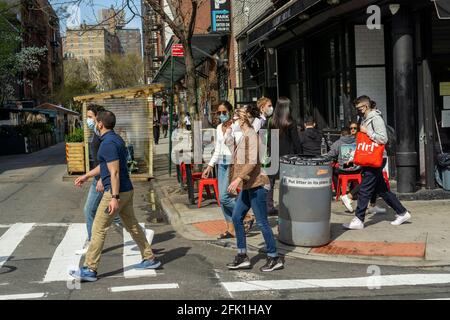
[
  {"x": 270, "y": 24},
  {"x": 442, "y": 8},
  {"x": 203, "y": 46}
]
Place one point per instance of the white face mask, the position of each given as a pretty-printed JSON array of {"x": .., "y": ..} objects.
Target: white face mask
[
  {"x": 235, "y": 126},
  {"x": 269, "y": 112}
]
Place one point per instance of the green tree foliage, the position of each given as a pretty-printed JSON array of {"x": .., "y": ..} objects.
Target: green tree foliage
[
  {"x": 77, "y": 81},
  {"x": 14, "y": 60},
  {"x": 117, "y": 71}
]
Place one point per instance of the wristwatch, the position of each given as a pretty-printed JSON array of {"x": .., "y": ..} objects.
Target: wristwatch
[{"x": 116, "y": 196}]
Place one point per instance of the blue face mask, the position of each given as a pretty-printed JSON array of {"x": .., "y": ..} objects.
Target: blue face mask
[
  {"x": 90, "y": 123},
  {"x": 224, "y": 118}
]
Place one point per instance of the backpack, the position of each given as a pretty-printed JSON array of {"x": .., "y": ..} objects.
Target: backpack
[{"x": 392, "y": 140}]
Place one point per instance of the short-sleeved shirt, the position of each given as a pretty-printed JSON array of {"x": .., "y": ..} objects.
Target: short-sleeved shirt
[{"x": 112, "y": 149}]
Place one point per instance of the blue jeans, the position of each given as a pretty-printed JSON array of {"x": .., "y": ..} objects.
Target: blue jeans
[
  {"x": 91, "y": 205},
  {"x": 256, "y": 199},
  {"x": 227, "y": 201}
]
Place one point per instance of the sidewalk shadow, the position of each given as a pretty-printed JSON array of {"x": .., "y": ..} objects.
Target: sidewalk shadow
[
  {"x": 168, "y": 257},
  {"x": 9, "y": 269}
]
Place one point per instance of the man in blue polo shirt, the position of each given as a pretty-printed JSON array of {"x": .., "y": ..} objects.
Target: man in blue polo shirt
[{"x": 117, "y": 199}]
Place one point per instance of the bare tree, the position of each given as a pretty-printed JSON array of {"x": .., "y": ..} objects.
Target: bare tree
[{"x": 182, "y": 23}]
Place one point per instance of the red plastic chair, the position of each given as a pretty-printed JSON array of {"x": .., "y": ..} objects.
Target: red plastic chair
[
  {"x": 206, "y": 183},
  {"x": 196, "y": 176},
  {"x": 343, "y": 182}
]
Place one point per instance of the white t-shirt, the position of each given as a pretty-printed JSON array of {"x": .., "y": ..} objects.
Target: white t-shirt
[{"x": 221, "y": 149}]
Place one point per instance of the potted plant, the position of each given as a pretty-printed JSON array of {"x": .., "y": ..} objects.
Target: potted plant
[{"x": 75, "y": 152}]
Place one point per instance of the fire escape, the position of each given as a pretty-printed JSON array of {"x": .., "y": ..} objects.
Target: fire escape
[{"x": 154, "y": 40}]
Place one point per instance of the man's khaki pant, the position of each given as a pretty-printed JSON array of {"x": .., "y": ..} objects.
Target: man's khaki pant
[{"x": 102, "y": 223}]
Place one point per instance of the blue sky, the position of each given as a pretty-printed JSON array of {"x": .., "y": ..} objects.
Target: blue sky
[{"x": 89, "y": 10}]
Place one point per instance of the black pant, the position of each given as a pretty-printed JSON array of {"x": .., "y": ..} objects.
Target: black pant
[
  {"x": 373, "y": 184},
  {"x": 156, "y": 134}
]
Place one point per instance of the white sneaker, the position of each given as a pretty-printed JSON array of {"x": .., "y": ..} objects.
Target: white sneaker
[
  {"x": 83, "y": 251},
  {"x": 401, "y": 219},
  {"x": 347, "y": 202},
  {"x": 356, "y": 224},
  {"x": 149, "y": 234},
  {"x": 375, "y": 210}
]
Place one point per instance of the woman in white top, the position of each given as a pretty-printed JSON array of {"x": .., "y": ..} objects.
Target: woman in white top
[{"x": 222, "y": 156}]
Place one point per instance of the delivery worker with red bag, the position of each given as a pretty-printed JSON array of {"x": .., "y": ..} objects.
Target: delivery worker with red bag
[{"x": 370, "y": 154}]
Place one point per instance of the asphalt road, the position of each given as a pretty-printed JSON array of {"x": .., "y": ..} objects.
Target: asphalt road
[{"x": 32, "y": 191}]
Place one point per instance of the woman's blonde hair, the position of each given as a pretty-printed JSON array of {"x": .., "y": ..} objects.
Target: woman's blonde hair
[
  {"x": 243, "y": 115},
  {"x": 262, "y": 102}
]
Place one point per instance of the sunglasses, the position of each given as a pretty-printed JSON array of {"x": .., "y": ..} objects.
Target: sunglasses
[
  {"x": 222, "y": 113},
  {"x": 353, "y": 128}
]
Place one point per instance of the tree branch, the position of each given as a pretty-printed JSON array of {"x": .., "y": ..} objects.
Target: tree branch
[
  {"x": 177, "y": 29},
  {"x": 193, "y": 19}
]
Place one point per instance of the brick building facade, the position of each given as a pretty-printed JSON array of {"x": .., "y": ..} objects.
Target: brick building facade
[{"x": 41, "y": 29}]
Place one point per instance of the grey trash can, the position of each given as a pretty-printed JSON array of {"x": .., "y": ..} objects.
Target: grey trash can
[{"x": 305, "y": 201}]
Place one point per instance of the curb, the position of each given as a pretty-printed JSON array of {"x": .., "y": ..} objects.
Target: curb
[{"x": 173, "y": 217}]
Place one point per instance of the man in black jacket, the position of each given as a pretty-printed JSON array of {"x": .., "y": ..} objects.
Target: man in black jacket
[{"x": 311, "y": 138}]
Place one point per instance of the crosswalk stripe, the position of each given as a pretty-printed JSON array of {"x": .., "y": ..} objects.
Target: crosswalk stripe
[
  {"x": 24, "y": 296},
  {"x": 64, "y": 258},
  {"x": 132, "y": 257},
  {"x": 145, "y": 287},
  {"x": 12, "y": 238},
  {"x": 372, "y": 281}
]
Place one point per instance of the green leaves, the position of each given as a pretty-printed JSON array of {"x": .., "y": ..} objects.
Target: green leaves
[
  {"x": 76, "y": 136},
  {"x": 118, "y": 71}
]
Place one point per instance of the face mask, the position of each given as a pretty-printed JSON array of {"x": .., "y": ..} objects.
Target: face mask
[
  {"x": 224, "y": 118},
  {"x": 269, "y": 111},
  {"x": 97, "y": 132},
  {"x": 90, "y": 123},
  {"x": 236, "y": 127}
]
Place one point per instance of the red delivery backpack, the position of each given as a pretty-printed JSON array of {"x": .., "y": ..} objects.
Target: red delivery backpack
[{"x": 368, "y": 153}]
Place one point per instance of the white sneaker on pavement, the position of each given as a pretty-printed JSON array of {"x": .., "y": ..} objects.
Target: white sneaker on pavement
[
  {"x": 347, "y": 202},
  {"x": 83, "y": 251},
  {"x": 401, "y": 219},
  {"x": 375, "y": 210},
  {"x": 355, "y": 224}
]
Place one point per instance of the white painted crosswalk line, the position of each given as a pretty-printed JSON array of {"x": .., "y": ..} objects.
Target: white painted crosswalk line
[
  {"x": 24, "y": 296},
  {"x": 64, "y": 257},
  {"x": 12, "y": 238},
  {"x": 132, "y": 257},
  {"x": 145, "y": 287},
  {"x": 372, "y": 281}
]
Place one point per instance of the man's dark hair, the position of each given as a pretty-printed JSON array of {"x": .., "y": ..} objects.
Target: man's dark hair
[
  {"x": 107, "y": 118},
  {"x": 309, "y": 121},
  {"x": 95, "y": 108},
  {"x": 372, "y": 104},
  {"x": 345, "y": 131}
]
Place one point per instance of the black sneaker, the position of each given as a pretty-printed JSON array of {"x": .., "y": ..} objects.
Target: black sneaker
[
  {"x": 241, "y": 261},
  {"x": 272, "y": 264}
]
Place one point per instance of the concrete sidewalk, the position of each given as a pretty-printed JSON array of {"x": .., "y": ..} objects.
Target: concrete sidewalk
[{"x": 424, "y": 241}]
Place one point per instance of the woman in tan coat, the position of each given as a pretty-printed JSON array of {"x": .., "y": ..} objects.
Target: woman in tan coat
[{"x": 247, "y": 175}]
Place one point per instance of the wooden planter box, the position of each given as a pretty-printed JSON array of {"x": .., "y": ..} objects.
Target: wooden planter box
[{"x": 75, "y": 157}]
